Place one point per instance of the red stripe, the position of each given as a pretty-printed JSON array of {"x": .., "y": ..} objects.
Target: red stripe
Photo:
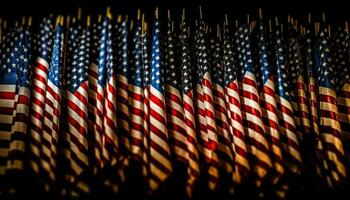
[
  {"x": 7, "y": 95},
  {"x": 157, "y": 101},
  {"x": 328, "y": 99}
]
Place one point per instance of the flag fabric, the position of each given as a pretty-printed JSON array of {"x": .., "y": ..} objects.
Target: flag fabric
[
  {"x": 234, "y": 110},
  {"x": 52, "y": 112},
  {"x": 329, "y": 116},
  {"x": 343, "y": 81},
  {"x": 251, "y": 110},
  {"x": 76, "y": 123},
  {"x": 123, "y": 84},
  {"x": 14, "y": 107},
  {"x": 289, "y": 139},
  {"x": 145, "y": 102},
  {"x": 205, "y": 108},
  {"x": 188, "y": 111},
  {"x": 136, "y": 94},
  {"x": 292, "y": 63},
  {"x": 175, "y": 119},
  {"x": 321, "y": 165},
  {"x": 160, "y": 166},
  {"x": 268, "y": 104},
  {"x": 39, "y": 79},
  {"x": 225, "y": 149}
]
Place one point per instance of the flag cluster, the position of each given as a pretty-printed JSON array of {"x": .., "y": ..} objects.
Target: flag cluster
[{"x": 101, "y": 107}]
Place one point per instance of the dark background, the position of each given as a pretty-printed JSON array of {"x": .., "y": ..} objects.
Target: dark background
[{"x": 336, "y": 10}]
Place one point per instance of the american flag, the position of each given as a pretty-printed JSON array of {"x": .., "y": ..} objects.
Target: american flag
[
  {"x": 39, "y": 79},
  {"x": 159, "y": 160},
  {"x": 175, "y": 117},
  {"x": 14, "y": 105},
  {"x": 251, "y": 110},
  {"x": 136, "y": 94},
  {"x": 292, "y": 65},
  {"x": 113, "y": 157},
  {"x": 123, "y": 84},
  {"x": 234, "y": 110},
  {"x": 312, "y": 96},
  {"x": 145, "y": 102},
  {"x": 189, "y": 119},
  {"x": 205, "y": 109},
  {"x": 97, "y": 83},
  {"x": 329, "y": 117},
  {"x": 343, "y": 81},
  {"x": 268, "y": 104},
  {"x": 289, "y": 139},
  {"x": 76, "y": 128},
  {"x": 225, "y": 149},
  {"x": 52, "y": 112}
]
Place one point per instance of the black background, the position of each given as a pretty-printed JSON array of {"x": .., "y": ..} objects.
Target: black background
[{"x": 336, "y": 10}]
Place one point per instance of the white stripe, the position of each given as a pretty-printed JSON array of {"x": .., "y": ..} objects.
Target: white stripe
[{"x": 160, "y": 158}]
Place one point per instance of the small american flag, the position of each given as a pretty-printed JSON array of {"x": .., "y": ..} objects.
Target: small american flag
[
  {"x": 177, "y": 136},
  {"x": 39, "y": 79},
  {"x": 289, "y": 139},
  {"x": 52, "y": 112},
  {"x": 160, "y": 164},
  {"x": 269, "y": 104},
  {"x": 123, "y": 84},
  {"x": 329, "y": 115},
  {"x": 251, "y": 110},
  {"x": 225, "y": 149},
  {"x": 205, "y": 108},
  {"x": 76, "y": 123},
  {"x": 136, "y": 94},
  {"x": 234, "y": 110},
  {"x": 189, "y": 119},
  {"x": 14, "y": 105}
]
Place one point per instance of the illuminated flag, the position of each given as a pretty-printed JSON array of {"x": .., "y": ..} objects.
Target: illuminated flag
[
  {"x": 289, "y": 139},
  {"x": 251, "y": 110},
  {"x": 136, "y": 94},
  {"x": 234, "y": 110},
  {"x": 269, "y": 105},
  {"x": 52, "y": 112},
  {"x": 205, "y": 108},
  {"x": 14, "y": 106},
  {"x": 175, "y": 117},
  {"x": 329, "y": 117},
  {"x": 76, "y": 127},
  {"x": 225, "y": 147},
  {"x": 189, "y": 118},
  {"x": 159, "y": 155},
  {"x": 39, "y": 80}
]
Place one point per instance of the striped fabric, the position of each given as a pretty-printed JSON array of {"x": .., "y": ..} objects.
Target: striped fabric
[
  {"x": 329, "y": 116},
  {"x": 188, "y": 111},
  {"x": 251, "y": 110},
  {"x": 225, "y": 149},
  {"x": 234, "y": 111},
  {"x": 39, "y": 80},
  {"x": 206, "y": 114},
  {"x": 52, "y": 112},
  {"x": 76, "y": 123},
  {"x": 14, "y": 107},
  {"x": 136, "y": 94},
  {"x": 145, "y": 102},
  {"x": 321, "y": 165},
  {"x": 123, "y": 84},
  {"x": 175, "y": 116},
  {"x": 159, "y": 161},
  {"x": 269, "y": 105},
  {"x": 289, "y": 139}
]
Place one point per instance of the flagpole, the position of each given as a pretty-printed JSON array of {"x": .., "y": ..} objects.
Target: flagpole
[
  {"x": 79, "y": 13},
  {"x": 0, "y": 29}
]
